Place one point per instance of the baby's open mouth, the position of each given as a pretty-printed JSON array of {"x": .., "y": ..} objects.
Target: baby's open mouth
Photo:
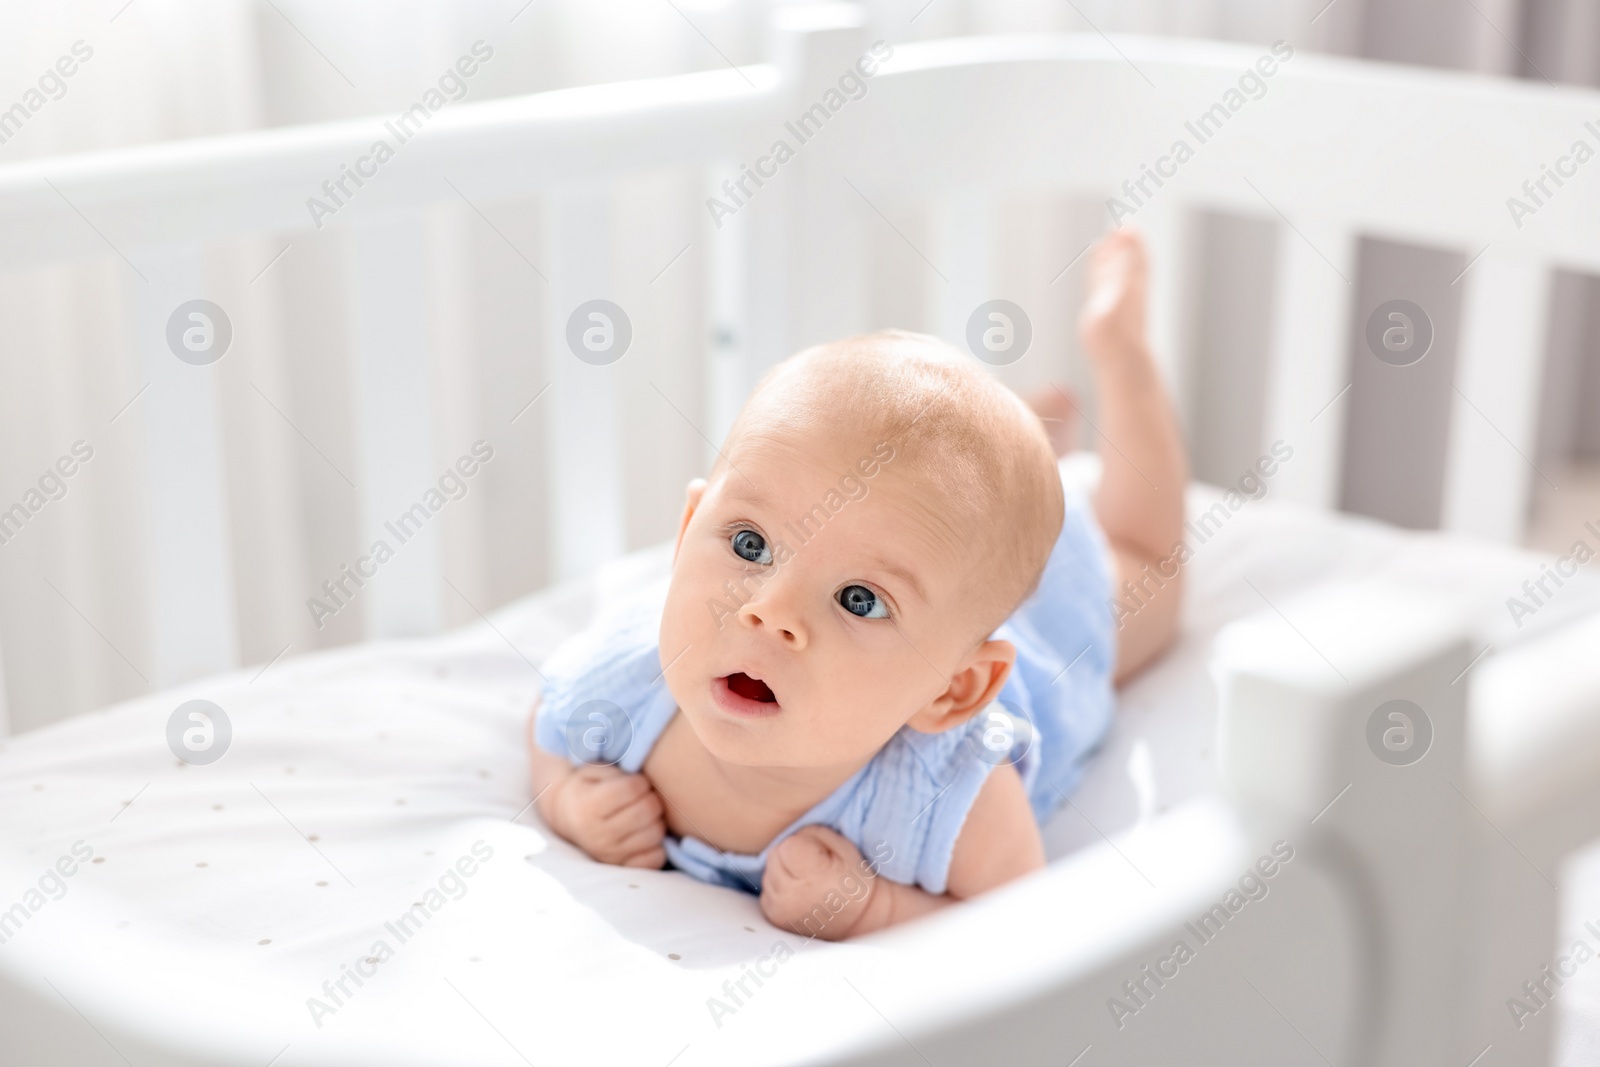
[{"x": 751, "y": 688}]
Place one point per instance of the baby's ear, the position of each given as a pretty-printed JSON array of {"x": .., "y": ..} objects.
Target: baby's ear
[
  {"x": 972, "y": 688},
  {"x": 697, "y": 490}
]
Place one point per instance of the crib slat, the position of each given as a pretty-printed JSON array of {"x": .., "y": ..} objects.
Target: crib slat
[
  {"x": 965, "y": 228},
  {"x": 193, "y": 627},
  {"x": 731, "y": 294},
  {"x": 582, "y": 425},
  {"x": 394, "y": 425},
  {"x": 1169, "y": 228},
  {"x": 753, "y": 246},
  {"x": 1489, "y": 470},
  {"x": 828, "y": 280},
  {"x": 831, "y": 205},
  {"x": 1308, "y": 362}
]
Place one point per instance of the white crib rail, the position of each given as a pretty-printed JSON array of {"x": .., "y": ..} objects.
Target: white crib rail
[
  {"x": 1534, "y": 771},
  {"x": 1461, "y": 850},
  {"x": 1295, "y": 701},
  {"x": 191, "y": 192}
]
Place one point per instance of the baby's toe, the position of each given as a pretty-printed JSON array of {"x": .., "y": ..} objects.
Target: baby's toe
[{"x": 1122, "y": 248}]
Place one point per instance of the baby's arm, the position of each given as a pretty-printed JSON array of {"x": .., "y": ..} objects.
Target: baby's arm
[
  {"x": 815, "y": 882},
  {"x": 1144, "y": 470},
  {"x": 614, "y": 816}
]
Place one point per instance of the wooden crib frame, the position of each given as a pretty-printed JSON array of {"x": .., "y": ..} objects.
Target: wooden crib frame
[{"x": 1421, "y": 931}]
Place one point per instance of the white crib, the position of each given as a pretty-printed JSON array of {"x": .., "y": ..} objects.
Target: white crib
[{"x": 1408, "y": 928}]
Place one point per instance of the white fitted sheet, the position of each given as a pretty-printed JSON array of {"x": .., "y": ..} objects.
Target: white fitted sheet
[{"x": 227, "y": 894}]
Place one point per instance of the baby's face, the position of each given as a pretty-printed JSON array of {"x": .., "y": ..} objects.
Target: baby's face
[{"x": 816, "y": 603}]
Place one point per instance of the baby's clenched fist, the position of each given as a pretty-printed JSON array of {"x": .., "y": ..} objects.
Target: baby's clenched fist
[
  {"x": 614, "y": 816},
  {"x": 814, "y": 885}
]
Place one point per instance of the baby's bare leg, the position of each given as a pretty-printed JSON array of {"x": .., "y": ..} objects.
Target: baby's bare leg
[{"x": 1140, "y": 499}]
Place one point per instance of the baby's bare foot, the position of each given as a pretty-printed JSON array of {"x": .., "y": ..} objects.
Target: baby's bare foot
[
  {"x": 815, "y": 884},
  {"x": 1057, "y": 408},
  {"x": 1112, "y": 323}
]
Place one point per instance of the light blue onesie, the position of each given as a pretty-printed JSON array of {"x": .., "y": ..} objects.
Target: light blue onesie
[{"x": 905, "y": 808}]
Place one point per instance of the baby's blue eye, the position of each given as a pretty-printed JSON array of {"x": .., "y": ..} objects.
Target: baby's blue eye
[
  {"x": 859, "y": 600},
  {"x": 751, "y": 547}
]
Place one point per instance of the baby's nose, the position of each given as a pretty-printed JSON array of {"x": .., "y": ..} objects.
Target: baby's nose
[{"x": 766, "y": 613}]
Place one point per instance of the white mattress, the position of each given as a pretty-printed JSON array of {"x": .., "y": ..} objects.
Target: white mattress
[{"x": 223, "y": 896}]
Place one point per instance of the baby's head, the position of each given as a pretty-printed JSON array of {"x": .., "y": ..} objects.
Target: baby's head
[{"x": 880, "y": 506}]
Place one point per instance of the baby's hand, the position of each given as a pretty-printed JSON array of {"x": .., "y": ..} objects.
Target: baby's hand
[
  {"x": 815, "y": 885},
  {"x": 614, "y": 816}
]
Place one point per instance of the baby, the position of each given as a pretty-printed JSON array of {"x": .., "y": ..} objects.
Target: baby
[{"x": 887, "y": 646}]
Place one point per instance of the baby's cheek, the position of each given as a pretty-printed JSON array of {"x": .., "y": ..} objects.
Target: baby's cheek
[
  {"x": 862, "y": 708},
  {"x": 686, "y": 624}
]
